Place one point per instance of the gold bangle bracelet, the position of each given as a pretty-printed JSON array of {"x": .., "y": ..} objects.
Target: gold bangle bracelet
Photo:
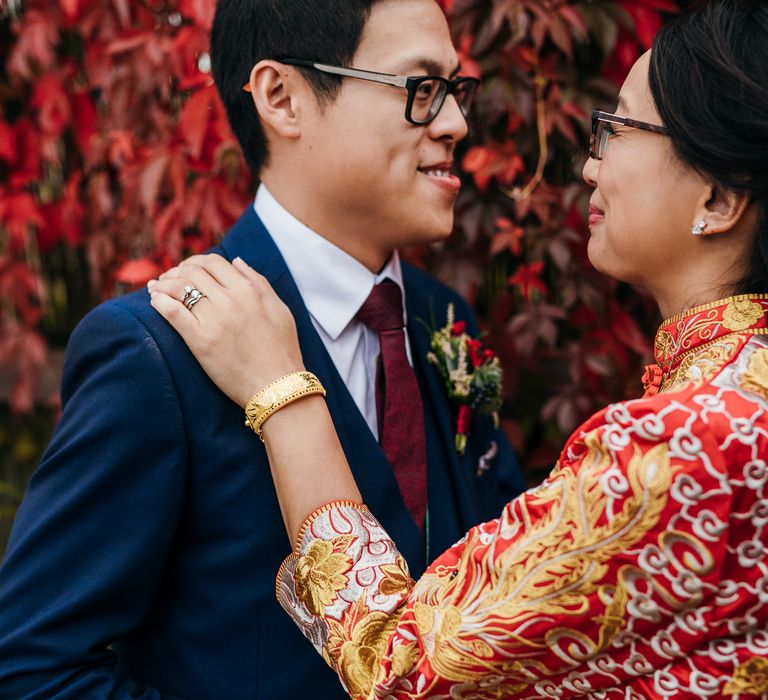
[{"x": 278, "y": 394}]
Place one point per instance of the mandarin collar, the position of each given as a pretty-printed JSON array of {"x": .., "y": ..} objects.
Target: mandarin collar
[
  {"x": 693, "y": 338},
  {"x": 697, "y": 327}
]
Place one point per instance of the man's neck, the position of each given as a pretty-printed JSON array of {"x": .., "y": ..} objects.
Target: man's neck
[{"x": 338, "y": 230}]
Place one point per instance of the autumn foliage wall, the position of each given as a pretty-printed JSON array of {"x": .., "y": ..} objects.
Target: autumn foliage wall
[{"x": 116, "y": 161}]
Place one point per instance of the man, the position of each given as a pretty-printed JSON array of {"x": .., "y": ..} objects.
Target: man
[{"x": 142, "y": 562}]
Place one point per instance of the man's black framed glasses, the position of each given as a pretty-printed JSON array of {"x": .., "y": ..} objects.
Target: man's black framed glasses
[
  {"x": 426, "y": 93},
  {"x": 602, "y": 128}
]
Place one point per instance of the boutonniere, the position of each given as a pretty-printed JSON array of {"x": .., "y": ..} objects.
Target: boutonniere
[{"x": 472, "y": 374}]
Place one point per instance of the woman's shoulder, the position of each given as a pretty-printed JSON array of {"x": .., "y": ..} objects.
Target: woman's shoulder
[{"x": 712, "y": 415}]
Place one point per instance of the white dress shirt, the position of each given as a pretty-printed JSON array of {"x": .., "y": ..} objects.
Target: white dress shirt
[{"x": 334, "y": 286}]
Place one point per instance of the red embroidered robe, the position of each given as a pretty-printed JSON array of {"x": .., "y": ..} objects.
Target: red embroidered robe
[{"x": 638, "y": 569}]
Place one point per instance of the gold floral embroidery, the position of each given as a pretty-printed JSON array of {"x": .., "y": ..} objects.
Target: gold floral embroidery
[
  {"x": 750, "y": 678},
  {"x": 612, "y": 621},
  {"x": 549, "y": 572},
  {"x": 545, "y": 599},
  {"x": 396, "y": 578},
  {"x": 740, "y": 314},
  {"x": 357, "y": 646},
  {"x": 696, "y": 329},
  {"x": 404, "y": 658},
  {"x": 320, "y": 573},
  {"x": 665, "y": 346},
  {"x": 702, "y": 365},
  {"x": 693, "y": 329},
  {"x": 492, "y": 690},
  {"x": 425, "y": 617},
  {"x": 755, "y": 378}
]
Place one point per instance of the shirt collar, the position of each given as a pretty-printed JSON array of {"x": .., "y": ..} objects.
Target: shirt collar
[{"x": 333, "y": 284}]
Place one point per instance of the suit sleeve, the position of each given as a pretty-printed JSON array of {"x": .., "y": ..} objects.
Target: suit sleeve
[
  {"x": 92, "y": 535},
  {"x": 540, "y": 601}
]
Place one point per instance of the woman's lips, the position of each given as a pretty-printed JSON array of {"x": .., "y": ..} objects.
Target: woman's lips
[{"x": 596, "y": 216}]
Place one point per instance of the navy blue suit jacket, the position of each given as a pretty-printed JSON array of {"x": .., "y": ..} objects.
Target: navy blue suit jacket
[{"x": 142, "y": 560}]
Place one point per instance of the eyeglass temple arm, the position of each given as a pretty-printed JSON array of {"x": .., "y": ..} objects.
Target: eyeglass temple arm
[
  {"x": 388, "y": 78},
  {"x": 626, "y": 121}
]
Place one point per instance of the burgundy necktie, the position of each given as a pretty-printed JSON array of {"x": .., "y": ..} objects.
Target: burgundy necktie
[{"x": 401, "y": 418}]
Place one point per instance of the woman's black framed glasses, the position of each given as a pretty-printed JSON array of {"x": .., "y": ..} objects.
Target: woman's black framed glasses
[
  {"x": 426, "y": 93},
  {"x": 602, "y": 128}
]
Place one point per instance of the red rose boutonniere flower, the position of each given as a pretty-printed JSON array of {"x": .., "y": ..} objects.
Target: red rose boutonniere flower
[{"x": 472, "y": 374}]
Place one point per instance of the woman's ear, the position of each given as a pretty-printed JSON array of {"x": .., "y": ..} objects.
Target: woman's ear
[
  {"x": 275, "y": 91},
  {"x": 722, "y": 210}
]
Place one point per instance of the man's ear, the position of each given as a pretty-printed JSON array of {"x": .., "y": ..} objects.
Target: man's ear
[
  {"x": 276, "y": 93},
  {"x": 722, "y": 209}
]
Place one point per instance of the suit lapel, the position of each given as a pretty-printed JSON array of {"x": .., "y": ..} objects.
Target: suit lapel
[
  {"x": 250, "y": 240},
  {"x": 451, "y": 487}
]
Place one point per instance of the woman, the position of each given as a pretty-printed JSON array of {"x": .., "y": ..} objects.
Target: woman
[{"x": 639, "y": 567}]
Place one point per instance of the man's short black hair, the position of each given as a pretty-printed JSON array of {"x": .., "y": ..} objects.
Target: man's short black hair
[{"x": 248, "y": 31}]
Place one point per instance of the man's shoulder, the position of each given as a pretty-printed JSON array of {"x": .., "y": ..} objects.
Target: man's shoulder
[{"x": 131, "y": 311}]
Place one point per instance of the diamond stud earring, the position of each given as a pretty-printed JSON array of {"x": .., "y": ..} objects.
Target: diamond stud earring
[{"x": 698, "y": 229}]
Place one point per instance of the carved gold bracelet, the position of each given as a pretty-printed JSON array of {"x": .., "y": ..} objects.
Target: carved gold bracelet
[{"x": 278, "y": 394}]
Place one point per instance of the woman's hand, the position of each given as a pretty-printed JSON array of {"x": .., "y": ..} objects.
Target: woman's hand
[{"x": 241, "y": 333}]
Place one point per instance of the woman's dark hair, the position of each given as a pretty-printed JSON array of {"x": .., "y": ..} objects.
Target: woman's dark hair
[
  {"x": 709, "y": 79},
  {"x": 248, "y": 31}
]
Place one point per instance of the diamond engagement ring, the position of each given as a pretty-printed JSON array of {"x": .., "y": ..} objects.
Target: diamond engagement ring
[{"x": 191, "y": 296}]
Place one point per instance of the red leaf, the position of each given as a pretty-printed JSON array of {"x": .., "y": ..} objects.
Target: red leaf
[
  {"x": 476, "y": 158},
  {"x": 22, "y": 399},
  {"x": 52, "y": 104},
  {"x": 71, "y": 8},
  {"x": 85, "y": 119},
  {"x": 18, "y": 212},
  {"x": 201, "y": 11},
  {"x": 560, "y": 34},
  {"x": 128, "y": 42},
  {"x": 487, "y": 162},
  {"x": 7, "y": 142},
  {"x": 150, "y": 180},
  {"x": 647, "y": 22},
  {"x": 120, "y": 148},
  {"x": 195, "y": 117},
  {"x": 528, "y": 281},
  {"x": 26, "y": 168},
  {"x": 137, "y": 272},
  {"x": 575, "y": 19},
  {"x": 663, "y": 5},
  {"x": 63, "y": 219},
  {"x": 508, "y": 237},
  {"x": 35, "y": 46},
  {"x": 24, "y": 289},
  {"x": 469, "y": 66},
  {"x": 624, "y": 55},
  {"x": 27, "y": 350},
  {"x": 627, "y": 331}
]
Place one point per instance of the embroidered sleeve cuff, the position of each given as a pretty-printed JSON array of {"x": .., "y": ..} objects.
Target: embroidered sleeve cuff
[{"x": 344, "y": 567}]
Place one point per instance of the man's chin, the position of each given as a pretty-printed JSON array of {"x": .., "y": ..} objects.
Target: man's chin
[
  {"x": 435, "y": 232},
  {"x": 432, "y": 223}
]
